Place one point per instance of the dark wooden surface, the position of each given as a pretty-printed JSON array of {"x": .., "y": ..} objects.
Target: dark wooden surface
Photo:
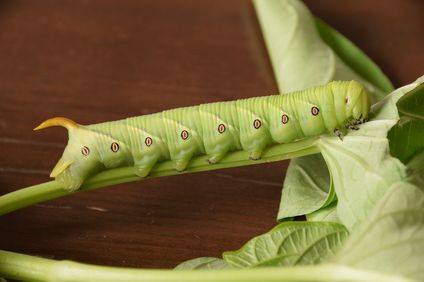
[{"x": 95, "y": 61}]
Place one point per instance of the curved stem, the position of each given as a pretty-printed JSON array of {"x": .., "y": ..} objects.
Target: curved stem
[
  {"x": 50, "y": 190},
  {"x": 28, "y": 268}
]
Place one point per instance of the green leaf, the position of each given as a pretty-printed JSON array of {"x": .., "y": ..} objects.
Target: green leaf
[
  {"x": 391, "y": 238},
  {"x": 407, "y": 136},
  {"x": 412, "y": 103},
  {"x": 387, "y": 108},
  {"x": 203, "y": 263},
  {"x": 354, "y": 57},
  {"x": 289, "y": 244},
  {"x": 328, "y": 213},
  {"x": 307, "y": 187}
]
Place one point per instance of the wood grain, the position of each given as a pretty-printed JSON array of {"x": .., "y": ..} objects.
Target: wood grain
[{"x": 95, "y": 61}]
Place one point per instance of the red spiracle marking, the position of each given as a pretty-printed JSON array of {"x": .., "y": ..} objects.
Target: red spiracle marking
[
  {"x": 284, "y": 119},
  {"x": 114, "y": 147},
  {"x": 314, "y": 111},
  {"x": 85, "y": 151},
  {"x": 148, "y": 141},
  {"x": 184, "y": 134},
  {"x": 257, "y": 123},
  {"x": 346, "y": 100},
  {"x": 221, "y": 128}
]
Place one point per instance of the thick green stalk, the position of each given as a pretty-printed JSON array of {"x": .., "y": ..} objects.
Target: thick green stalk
[
  {"x": 50, "y": 190},
  {"x": 28, "y": 268}
]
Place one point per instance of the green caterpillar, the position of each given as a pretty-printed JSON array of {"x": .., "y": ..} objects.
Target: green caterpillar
[{"x": 213, "y": 129}]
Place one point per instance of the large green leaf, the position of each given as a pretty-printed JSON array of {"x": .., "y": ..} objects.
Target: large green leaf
[
  {"x": 288, "y": 244},
  {"x": 407, "y": 137},
  {"x": 203, "y": 263},
  {"x": 387, "y": 108},
  {"x": 391, "y": 238}
]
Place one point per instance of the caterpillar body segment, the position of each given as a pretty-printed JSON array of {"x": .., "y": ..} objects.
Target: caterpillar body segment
[
  {"x": 220, "y": 129},
  {"x": 144, "y": 135},
  {"x": 184, "y": 134},
  {"x": 209, "y": 129}
]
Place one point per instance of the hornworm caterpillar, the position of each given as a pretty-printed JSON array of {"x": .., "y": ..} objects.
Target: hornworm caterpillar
[{"x": 213, "y": 129}]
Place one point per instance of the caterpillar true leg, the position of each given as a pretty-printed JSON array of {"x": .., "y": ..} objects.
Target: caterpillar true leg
[
  {"x": 338, "y": 134},
  {"x": 352, "y": 126}
]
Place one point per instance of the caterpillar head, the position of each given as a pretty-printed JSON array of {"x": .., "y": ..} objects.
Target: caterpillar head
[
  {"x": 80, "y": 157},
  {"x": 357, "y": 101}
]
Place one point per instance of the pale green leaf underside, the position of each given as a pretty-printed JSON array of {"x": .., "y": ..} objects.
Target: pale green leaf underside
[
  {"x": 328, "y": 213},
  {"x": 391, "y": 239},
  {"x": 307, "y": 187},
  {"x": 289, "y": 244},
  {"x": 362, "y": 169}
]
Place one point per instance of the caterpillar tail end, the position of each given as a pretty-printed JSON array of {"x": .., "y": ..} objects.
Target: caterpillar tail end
[{"x": 58, "y": 121}]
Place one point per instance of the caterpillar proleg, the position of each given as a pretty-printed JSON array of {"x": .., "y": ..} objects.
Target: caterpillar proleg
[{"x": 212, "y": 129}]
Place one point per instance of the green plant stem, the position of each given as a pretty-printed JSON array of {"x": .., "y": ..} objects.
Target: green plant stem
[
  {"x": 29, "y": 268},
  {"x": 50, "y": 190}
]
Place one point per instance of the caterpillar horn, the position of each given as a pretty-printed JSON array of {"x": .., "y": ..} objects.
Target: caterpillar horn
[{"x": 58, "y": 121}]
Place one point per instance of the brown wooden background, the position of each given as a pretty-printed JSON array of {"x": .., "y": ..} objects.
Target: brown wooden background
[{"x": 98, "y": 60}]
